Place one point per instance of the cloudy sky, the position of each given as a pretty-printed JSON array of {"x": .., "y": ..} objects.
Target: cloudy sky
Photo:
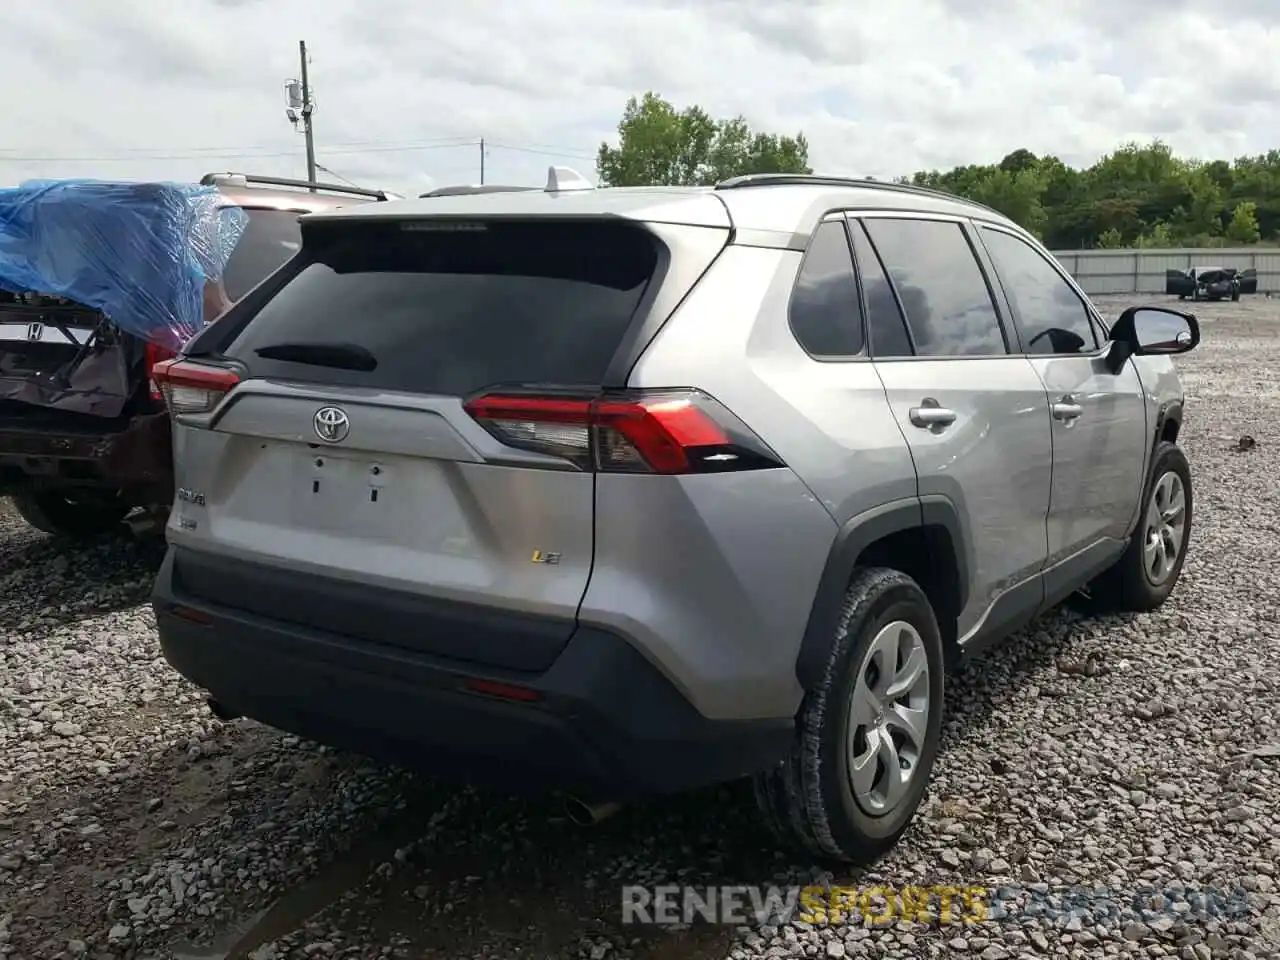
[{"x": 171, "y": 89}]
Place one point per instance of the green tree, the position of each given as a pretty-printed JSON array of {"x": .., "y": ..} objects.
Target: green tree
[
  {"x": 658, "y": 145},
  {"x": 1110, "y": 239},
  {"x": 1016, "y": 195},
  {"x": 1157, "y": 238},
  {"x": 1243, "y": 227},
  {"x": 1139, "y": 194}
]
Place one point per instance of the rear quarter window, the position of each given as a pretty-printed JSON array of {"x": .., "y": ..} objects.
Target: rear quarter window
[{"x": 450, "y": 308}]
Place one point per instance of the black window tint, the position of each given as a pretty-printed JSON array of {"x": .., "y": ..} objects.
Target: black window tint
[
  {"x": 943, "y": 292},
  {"x": 270, "y": 238},
  {"x": 1053, "y": 318},
  {"x": 451, "y": 308},
  {"x": 826, "y": 316},
  {"x": 888, "y": 332}
]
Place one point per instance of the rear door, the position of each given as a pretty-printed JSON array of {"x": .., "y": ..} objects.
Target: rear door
[
  {"x": 1249, "y": 281},
  {"x": 347, "y": 451},
  {"x": 973, "y": 412}
]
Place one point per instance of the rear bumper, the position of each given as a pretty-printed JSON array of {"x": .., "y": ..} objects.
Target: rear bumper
[
  {"x": 607, "y": 725},
  {"x": 137, "y": 459}
]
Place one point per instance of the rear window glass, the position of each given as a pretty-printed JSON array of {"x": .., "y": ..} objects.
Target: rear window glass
[
  {"x": 452, "y": 308},
  {"x": 270, "y": 238}
]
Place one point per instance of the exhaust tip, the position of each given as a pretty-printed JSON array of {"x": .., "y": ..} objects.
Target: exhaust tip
[
  {"x": 588, "y": 814},
  {"x": 220, "y": 711}
]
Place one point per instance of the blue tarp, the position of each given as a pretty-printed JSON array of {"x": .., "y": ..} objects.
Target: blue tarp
[{"x": 139, "y": 252}]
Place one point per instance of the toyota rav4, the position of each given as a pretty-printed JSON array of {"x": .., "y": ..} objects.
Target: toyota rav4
[{"x": 626, "y": 491}]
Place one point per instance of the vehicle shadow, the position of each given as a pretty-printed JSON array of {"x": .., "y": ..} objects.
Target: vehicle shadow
[{"x": 46, "y": 580}]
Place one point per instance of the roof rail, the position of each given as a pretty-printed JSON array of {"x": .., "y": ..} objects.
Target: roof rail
[
  {"x": 470, "y": 188},
  {"x": 820, "y": 180},
  {"x": 246, "y": 179}
]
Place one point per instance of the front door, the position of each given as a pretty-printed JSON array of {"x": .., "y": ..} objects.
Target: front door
[{"x": 1099, "y": 418}]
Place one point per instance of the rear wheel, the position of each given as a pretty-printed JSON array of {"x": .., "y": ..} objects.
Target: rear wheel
[
  {"x": 867, "y": 735},
  {"x": 51, "y": 512},
  {"x": 1146, "y": 573}
]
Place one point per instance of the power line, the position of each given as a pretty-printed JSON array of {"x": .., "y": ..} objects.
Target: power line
[
  {"x": 140, "y": 152},
  {"x": 215, "y": 153},
  {"x": 231, "y": 154},
  {"x": 545, "y": 153},
  {"x": 335, "y": 173}
]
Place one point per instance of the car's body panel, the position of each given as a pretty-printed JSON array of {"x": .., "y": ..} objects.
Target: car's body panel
[
  {"x": 712, "y": 578},
  {"x": 418, "y": 486}
]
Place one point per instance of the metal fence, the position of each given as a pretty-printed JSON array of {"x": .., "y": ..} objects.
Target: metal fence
[{"x": 1143, "y": 271}]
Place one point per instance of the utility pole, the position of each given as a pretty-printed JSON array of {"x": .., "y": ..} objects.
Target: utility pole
[
  {"x": 307, "y": 106},
  {"x": 482, "y": 161}
]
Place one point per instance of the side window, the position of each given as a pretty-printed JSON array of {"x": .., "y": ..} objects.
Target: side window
[
  {"x": 941, "y": 286},
  {"x": 885, "y": 326},
  {"x": 1053, "y": 318},
  {"x": 826, "y": 315}
]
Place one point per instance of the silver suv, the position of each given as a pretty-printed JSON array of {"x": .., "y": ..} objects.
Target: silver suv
[{"x": 625, "y": 491}]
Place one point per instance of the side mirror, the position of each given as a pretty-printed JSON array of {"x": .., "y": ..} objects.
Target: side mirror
[{"x": 1151, "y": 331}]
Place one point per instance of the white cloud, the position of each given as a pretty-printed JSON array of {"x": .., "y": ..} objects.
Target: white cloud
[{"x": 141, "y": 89}]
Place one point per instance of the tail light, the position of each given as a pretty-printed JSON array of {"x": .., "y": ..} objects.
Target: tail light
[
  {"x": 192, "y": 387},
  {"x": 155, "y": 354},
  {"x": 671, "y": 432}
]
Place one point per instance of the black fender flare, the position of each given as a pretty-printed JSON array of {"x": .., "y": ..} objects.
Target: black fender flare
[
  {"x": 853, "y": 537},
  {"x": 1170, "y": 411}
]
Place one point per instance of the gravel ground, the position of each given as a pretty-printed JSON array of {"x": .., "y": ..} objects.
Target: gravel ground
[{"x": 1133, "y": 753}]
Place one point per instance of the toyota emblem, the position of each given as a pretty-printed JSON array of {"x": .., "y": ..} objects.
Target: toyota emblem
[{"x": 331, "y": 424}]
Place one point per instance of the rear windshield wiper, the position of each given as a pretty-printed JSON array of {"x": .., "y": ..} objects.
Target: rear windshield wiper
[{"x": 346, "y": 356}]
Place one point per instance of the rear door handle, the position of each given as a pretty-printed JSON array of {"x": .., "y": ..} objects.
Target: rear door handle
[{"x": 930, "y": 414}]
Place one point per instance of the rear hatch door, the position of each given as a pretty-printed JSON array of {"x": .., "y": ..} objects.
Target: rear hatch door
[
  {"x": 346, "y": 456},
  {"x": 60, "y": 355}
]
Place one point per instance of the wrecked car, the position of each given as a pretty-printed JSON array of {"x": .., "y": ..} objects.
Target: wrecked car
[
  {"x": 99, "y": 282},
  {"x": 1210, "y": 283}
]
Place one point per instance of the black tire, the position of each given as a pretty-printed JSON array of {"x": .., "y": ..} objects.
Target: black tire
[
  {"x": 1127, "y": 585},
  {"x": 1235, "y": 296},
  {"x": 807, "y": 801},
  {"x": 51, "y": 512}
]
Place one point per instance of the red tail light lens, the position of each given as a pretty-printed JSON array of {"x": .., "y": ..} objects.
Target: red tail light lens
[
  {"x": 192, "y": 387},
  {"x": 154, "y": 355},
  {"x": 639, "y": 432}
]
